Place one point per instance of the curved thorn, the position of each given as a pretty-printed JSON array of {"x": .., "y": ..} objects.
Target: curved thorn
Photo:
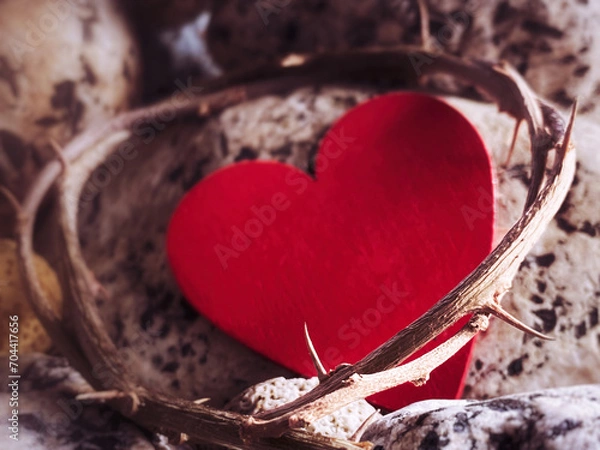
[
  {"x": 569, "y": 131},
  {"x": 363, "y": 426},
  {"x": 321, "y": 372},
  {"x": 513, "y": 142},
  {"x": 500, "y": 313}
]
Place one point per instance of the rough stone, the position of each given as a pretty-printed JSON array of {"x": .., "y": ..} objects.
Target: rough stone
[
  {"x": 276, "y": 392},
  {"x": 551, "y": 419}
]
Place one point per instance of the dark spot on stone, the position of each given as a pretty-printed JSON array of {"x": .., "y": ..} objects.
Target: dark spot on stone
[
  {"x": 378, "y": 447},
  {"x": 541, "y": 285},
  {"x": 504, "y": 441},
  {"x": 164, "y": 330},
  {"x": 89, "y": 76},
  {"x": 504, "y": 12},
  {"x": 64, "y": 98},
  {"x": 525, "y": 264},
  {"x": 15, "y": 148},
  {"x": 593, "y": 317},
  {"x": 515, "y": 367},
  {"x": 548, "y": 317},
  {"x": 580, "y": 330},
  {"x": 584, "y": 49},
  {"x": 421, "y": 419},
  {"x": 346, "y": 102},
  {"x": 224, "y": 145},
  {"x": 157, "y": 360},
  {"x": 562, "y": 98},
  {"x": 47, "y": 121},
  {"x": 581, "y": 71},
  {"x": 588, "y": 229},
  {"x": 545, "y": 260},
  {"x": 186, "y": 349},
  {"x": 8, "y": 75},
  {"x": 246, "y": 153},
  {"x": 478, "y": 364},
  {"x": 175, "y": 174},
  {"x": 461, "y": 423},
  {"x": 283, "y": 151},
  {"x": 170, "y": 367},
  {"x": 568, "y": 59},
  {"x": 541, "y": 29},
  {"x": 537, "y": 299},
  {"x": 175, "y": 384},
  {"x": 538, "y": 344},
  {"x": 431, "y": 441},
  {"x": 565, "y": 225},
  {"x": 521, "y": 173},
  {"x": 564, "y": 427},
  {"x": 559, "y": 301},
  {"x": 64, "y": 95}
]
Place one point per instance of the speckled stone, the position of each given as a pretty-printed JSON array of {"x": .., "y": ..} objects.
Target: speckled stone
[
  {"x": 276, "y": 392},
  {"x": 554, "y": 44},
  {"x": 51, "y": 419},
  {"x": 553, "y": 419}
]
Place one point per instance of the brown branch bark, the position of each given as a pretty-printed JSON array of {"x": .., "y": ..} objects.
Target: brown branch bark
[{"x": 84, "y": 340}]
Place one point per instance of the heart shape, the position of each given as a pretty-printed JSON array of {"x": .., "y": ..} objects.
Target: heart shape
[{"x": 400, "y": 211}]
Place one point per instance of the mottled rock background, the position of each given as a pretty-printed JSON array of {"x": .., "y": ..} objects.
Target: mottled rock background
[
  {"x": 124, "y": 215},
  {"x": 553, "y": 419}
]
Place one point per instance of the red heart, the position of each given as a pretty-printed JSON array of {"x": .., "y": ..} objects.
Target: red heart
[{"x": 400, "y": 211}]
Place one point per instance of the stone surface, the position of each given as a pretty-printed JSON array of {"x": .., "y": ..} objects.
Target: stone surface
[
  {"x": 552, "y": 419},
  {"x": 557, "y": 289},
  {"x": 554, "y": 44},
  {"x": 276, "y": 392},
  {"x": 50, "y": 417}
]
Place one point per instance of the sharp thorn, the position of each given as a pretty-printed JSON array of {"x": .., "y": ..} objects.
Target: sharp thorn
[
  {"x": 513, "y": 142},
  {"x": 200, "y": 401},
  {"x": 511, "y": 320},
  {"x": 321, "y": 372},
  {"x": 363, "y": 427},
  {"x": 569, "y": 131}
]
